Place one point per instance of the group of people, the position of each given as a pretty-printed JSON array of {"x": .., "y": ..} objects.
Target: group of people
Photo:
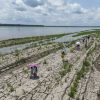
[
  {"x": 34, "y": 68},
  {"x": 85, "y": 41}
]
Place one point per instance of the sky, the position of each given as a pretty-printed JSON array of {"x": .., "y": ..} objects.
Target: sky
[{"x": 50, "y": 12}]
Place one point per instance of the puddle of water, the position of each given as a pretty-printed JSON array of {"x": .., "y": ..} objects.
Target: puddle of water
[
  {"x": 66, "y": 38},
  {"x": 69, "y": 38}
]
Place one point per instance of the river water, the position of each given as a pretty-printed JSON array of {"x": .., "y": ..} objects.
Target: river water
[{"x": 8, "y": 32}]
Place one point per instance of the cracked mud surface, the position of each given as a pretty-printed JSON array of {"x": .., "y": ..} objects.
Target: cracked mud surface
[{"x": 50, "y": 85}]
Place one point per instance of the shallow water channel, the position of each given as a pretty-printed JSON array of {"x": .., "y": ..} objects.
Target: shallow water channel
[{"x": 66, "y": 38}]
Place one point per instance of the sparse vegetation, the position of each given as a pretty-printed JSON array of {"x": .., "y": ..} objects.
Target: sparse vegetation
[
  {"x": 25, "y": 71},
  {"x": 66, "y": 68},
  {"x": 16, "y": 41},
  {"x": 11, "y": 88},
  {"x": 45, "y": 62},
  {"x": 79, "y": 75}
]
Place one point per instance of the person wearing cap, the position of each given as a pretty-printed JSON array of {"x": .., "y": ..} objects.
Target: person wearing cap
[{"x": 78, "y": 45}]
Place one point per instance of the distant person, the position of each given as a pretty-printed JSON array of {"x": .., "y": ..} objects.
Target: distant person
[
  {"x": 86, "y": 42},
  {"x": 63, "y": 52},
  {"x": 88, "y": 37},
  {"x": 78, "y": 45},
  {"x": 83, "y": 40},
  {"x": 62, "y": 55}
]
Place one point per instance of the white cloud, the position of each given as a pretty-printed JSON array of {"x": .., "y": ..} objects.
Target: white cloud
[
  {"x": 56, "y": 2},
  {"x": 51, "y": 12}
]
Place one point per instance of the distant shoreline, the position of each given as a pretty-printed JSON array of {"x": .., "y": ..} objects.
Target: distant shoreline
[
  {"x": 21, "y": 25},
  {"x": 41, "y": 25}
]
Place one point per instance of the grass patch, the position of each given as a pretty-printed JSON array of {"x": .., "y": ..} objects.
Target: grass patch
[
  {"x": 79, "y": 75},
  {"x": 17, "y": 41},
  {"x": 88, "y": 32},
  {"x": 11, "y": 88},
  {"x": 66, "y": 68}
]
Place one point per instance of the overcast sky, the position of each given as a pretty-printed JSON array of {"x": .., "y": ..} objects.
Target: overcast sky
[{"x": 50, "y": 12}]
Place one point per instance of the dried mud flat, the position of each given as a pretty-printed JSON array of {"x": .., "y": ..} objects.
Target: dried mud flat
[{"x": 55, "y": 79}]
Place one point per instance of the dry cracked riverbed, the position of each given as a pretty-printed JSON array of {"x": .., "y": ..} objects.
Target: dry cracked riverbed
[{"x": 56, "y": 77}]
